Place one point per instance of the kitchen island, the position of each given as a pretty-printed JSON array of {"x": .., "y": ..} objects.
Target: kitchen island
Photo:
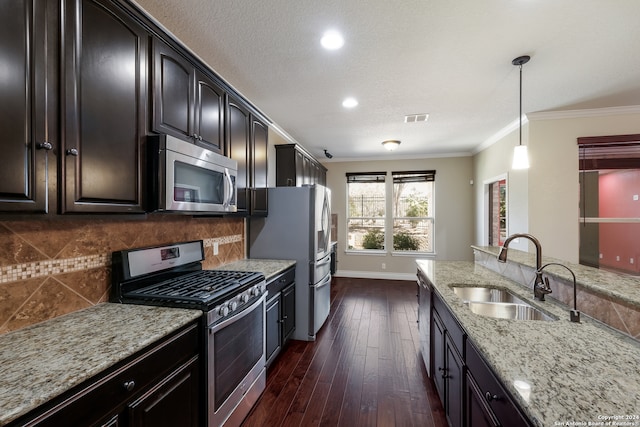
[
  {"x": 43, "y": 361},
  {"x": 577, "y": 372}
]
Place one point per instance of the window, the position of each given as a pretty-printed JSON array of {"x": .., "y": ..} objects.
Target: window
[
  {"x": 409, "y": 196},
  {"x": 366, "y": 211},
  {"x": 497, "y": 205},
  {"x": 413, "y": 211}
]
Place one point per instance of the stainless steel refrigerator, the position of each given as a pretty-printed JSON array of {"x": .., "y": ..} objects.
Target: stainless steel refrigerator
[{"x": 298, "y": 228}]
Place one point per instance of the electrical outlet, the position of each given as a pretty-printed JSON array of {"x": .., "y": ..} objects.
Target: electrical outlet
[
  {"x": 384, "y": 266},
  {"x": 601, "y": 256},
  {"x": 635, "y": 197},
  {"x": 215, "y": 248},
  {"x": 630, "y": 260},
  {"x": 617, "y": 258}
]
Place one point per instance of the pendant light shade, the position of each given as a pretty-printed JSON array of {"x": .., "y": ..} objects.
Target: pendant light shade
[
  {"x": 520, "y": 157},
  {"x": 520, "y": 154}
]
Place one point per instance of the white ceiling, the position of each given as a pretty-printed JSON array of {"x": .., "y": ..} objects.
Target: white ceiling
[{"x": 448, "y": 58}]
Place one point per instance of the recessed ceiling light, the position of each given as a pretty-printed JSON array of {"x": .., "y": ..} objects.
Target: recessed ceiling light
[
  {"x": 332, "y": 40},
  {"x": 349, "y": 102}
]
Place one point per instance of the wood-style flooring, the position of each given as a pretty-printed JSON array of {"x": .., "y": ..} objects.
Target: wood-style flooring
[{"x": 364, "y": 369}]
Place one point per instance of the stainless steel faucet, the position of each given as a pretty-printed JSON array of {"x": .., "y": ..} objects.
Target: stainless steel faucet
[{"x": 540, "y": 285}]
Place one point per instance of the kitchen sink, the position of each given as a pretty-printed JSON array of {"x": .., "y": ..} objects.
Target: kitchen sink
[
  {"x": 484, "y": 294},
  {"x": 507, "y": 310},
  {"x": 498, "y": 303}
]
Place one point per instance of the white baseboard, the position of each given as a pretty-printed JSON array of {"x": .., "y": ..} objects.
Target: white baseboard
[{"x": 375, "y": 275}]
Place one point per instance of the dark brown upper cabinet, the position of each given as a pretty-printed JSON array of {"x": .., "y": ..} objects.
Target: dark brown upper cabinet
[
  {"x": 247, "y": 139},
  {"x": 296, "y": 167},
  {"x": 186, "y": 102},
  {"x": 28, "y": 111},
  {"x": 104, "y": 98}
]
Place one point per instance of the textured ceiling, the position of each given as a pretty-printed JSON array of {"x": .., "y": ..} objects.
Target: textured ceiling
[{"x": 450, "y": 59}]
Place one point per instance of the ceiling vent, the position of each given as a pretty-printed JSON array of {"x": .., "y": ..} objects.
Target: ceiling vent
[{"x": 416, "y": 118}]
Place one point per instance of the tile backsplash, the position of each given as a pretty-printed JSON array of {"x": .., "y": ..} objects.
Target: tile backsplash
[{"x": 50, "y": 267}]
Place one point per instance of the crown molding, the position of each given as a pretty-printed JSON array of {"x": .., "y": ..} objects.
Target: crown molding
[{"x": 586, "y": 113}]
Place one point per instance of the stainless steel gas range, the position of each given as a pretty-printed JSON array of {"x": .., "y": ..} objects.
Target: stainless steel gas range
[{"x": 233, "y": 306}]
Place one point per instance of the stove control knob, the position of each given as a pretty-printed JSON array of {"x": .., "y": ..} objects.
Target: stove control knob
[
  {"x": 232, "y": 305},
  {"x": 255, "y": 291},
  {"x": 244, "y": 298},
  {"x": 224, "y": 310}
]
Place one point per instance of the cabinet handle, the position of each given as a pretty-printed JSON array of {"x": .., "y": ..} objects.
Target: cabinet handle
[
  {"x": 44, "y": 146},
  {"x": 72, "y": 152},
  {"x": 129, "y": 385},
  {"x": 490, "y": 397}
]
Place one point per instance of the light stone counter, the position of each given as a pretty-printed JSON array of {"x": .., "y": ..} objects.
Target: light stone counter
[
  {"x": 42, "y": 361},
  {"x": 578, "y": 372},
  {"x": 269, "y": 267}
]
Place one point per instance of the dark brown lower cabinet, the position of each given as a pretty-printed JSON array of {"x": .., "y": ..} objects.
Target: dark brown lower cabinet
[
  {"x": 281, "y": 314},
  {"x": 478, "y": 413},
  {"x": 448, "y": 371},
  {"x": 158, "y": 387},
  {"x": 471, "y": 394}
]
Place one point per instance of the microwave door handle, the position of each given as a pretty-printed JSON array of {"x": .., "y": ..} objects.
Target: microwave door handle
[{"x": 228, "y": 187}]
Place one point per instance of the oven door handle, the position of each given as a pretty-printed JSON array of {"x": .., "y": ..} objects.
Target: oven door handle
[{"x": 238, "y": 315}]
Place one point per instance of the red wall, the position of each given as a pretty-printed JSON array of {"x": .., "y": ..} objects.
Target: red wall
[{"x": 616, "y": 192}]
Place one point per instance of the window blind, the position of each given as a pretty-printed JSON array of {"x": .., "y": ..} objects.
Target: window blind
[
  {"x": 609, "y": 152},
  {"x": 365, "y": 177},
  {"x": 413, "y": 176}
]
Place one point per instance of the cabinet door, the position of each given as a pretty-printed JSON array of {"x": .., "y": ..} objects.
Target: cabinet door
[
  {"x": 477, "y": 411},
  {"x": 260, "y": 136},
  {"x": 300, "y": 171},
  {"x": 437, "y": 357},
  {"x": 28, "y": 43},
  {"x": 173, "y": 92},
  {"x": 274, "y": 336},
  {"x": 172, "y": 402},
  {"x": 453, "y": 385},
  {"x": 238, "y": 143},
  {"x": 104, "y": 79},
  {"x": 209, "y": 114},
  {"x": 288, "y": 312}
]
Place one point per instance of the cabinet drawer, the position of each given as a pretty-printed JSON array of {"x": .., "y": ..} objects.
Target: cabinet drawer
[
  {"x": 105, "y": 394},
  {"x": 279, "y": 282},
  {"x": 496, "y": 397},
  {"x": 450, "y": 323}
]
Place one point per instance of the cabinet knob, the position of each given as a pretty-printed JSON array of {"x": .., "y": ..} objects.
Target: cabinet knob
[
  {"x": 129, "y": 385},
  {"x": 72, "y": 152},
  {"x": 490, "y": 397},
  {"x": 44, "y": 146}
]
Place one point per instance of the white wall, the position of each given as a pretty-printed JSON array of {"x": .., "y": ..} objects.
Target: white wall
[
  {"x": 544, "y": 200},
  {"x": 453, "y": 214}
]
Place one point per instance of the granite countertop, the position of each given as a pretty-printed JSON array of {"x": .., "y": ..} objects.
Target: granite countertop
[
  {"x": 619, "y": 286},
  {"x": 42, "y": 361},
  {"x": 269, "y": 267},
  {"x": 578, "y": 372}
]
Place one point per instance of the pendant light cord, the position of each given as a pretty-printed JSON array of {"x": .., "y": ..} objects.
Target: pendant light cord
[{"x": 520, "y": 105}]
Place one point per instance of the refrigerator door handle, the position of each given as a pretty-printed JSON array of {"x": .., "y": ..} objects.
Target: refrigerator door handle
[
  {"x": 324, "y": 283},
  {"x": 324, "y": 261}
]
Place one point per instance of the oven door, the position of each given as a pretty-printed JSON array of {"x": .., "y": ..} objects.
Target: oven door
[{"x": 236, "y": 365}]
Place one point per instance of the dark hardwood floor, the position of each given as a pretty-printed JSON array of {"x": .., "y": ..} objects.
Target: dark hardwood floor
[{"x": 364, "y": 369}]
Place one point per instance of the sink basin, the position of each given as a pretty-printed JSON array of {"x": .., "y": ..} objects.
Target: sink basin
[
  {"x": 498, "y": 303},
  {"x": 485, "y": 294},
  {"x": 506, "y": 310}
]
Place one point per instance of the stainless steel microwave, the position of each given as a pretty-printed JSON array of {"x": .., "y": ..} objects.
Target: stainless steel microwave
[{"x": 186, "y": 178}]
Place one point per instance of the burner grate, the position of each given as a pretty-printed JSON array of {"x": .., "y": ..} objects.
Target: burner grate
[{"x": 205, "y": 286}]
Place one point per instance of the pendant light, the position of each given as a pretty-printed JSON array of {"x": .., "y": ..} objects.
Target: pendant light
[{"x": 520, "y": 155}]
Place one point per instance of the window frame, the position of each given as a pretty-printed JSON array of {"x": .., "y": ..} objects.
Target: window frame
[
  {"x": 389, "y": 217},
  {"x": 361, "y": 177},
  {"x": 419, "y": 176}
]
